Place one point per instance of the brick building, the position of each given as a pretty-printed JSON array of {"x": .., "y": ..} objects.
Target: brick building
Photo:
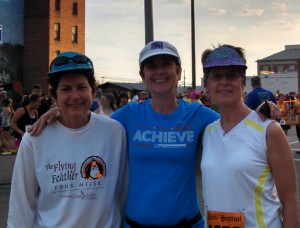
[{"x": 50, "y": 27}]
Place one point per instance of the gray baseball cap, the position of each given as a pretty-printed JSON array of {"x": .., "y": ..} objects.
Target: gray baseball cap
[{"x": 158, "y": 48}]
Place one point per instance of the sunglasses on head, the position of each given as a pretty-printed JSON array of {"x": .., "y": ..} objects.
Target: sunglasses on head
[{"x": 62, "y": 60}]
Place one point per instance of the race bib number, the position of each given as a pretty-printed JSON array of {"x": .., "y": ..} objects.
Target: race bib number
[{"x": 216, "y": 219}]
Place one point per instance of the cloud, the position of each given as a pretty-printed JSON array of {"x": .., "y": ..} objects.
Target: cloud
[
  {"x": 280, "y": 6},
  {"x": 253, "y": 28},
  {"x": 215, "y": 11},
  {"x": 248, "y": 12},
  {"x": 115, "y": 31},
  {"x": 232, "y": 29}
]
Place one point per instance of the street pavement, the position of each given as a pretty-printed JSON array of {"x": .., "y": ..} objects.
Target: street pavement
[{"x": 7, "y": 163}]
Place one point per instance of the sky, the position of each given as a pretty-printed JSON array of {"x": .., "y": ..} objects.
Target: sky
[{"x": 115, "y": 32}]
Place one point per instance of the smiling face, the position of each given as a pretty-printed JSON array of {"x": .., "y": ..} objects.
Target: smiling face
[
  {"x": 225, "y": 85},
  {"x": 161, "y": 75},
  {"x": 74, "y": 96}
]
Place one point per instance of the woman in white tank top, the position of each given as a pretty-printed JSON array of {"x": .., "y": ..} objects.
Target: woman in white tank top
[{"x": 249, "y": 177}]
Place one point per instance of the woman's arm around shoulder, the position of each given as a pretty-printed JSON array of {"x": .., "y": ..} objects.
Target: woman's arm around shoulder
[
  {"x": 50, "y": 116},
  {"x": 284, "y": 172}
]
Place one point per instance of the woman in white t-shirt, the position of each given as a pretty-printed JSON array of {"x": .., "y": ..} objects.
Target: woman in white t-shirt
[{"x": 108, "y": 105}]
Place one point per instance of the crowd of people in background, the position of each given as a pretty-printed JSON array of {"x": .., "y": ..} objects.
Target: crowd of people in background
[
  {"x": 288, "y": 103},
  {"x": 35, "y": 104},
  {"x": 17, "y": 116}
]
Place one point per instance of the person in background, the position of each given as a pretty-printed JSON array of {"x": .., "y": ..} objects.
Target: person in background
[
  {"x": 115, "y": 94},
  {"x": 276, "y": 94},
  {"x": 142, "y": 96},
  {"x": 134, "y": 96},
  {"x": 297, "y": 117},
  {"x": 187, "y": 94},
  {"x": 258, "y": 94},
  {"x": 96, "y": 103},
  {"x": 195, "y": 96},
  {"x": 284, "y": 113},
  {"x": 25, "y": 117},
  {"x": 3, "y": 96},
  {"x": 36, "y": 90},
  {"x": 5, "y": 126},
  {"x": 73, "y": 174},
  {"x": 124, "y": 98},
  {"x": 250, "y": 160},
  {"x": 180, "y": 96},
  {"x": 107, "y": 105},
  {"x": 46, "y": 103}
]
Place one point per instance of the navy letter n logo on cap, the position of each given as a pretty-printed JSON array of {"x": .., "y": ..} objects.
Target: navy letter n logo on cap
[{"x": 157, "y": 45}]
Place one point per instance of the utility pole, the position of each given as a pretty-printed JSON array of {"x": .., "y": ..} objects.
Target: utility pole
[
  {"x": 148, "y": 21},
  {"x": 1, "y": 35},
  {"x": 102, "y": 78},
  {"x": 184, "y": 79},
  {"x": 193, "y": 45}
]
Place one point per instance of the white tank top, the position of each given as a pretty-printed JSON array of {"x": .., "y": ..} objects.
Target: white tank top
[{"x": 236, "y": 175}]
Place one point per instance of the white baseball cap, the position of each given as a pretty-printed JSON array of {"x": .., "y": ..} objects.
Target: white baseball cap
[{"x": 158, "y": 48}]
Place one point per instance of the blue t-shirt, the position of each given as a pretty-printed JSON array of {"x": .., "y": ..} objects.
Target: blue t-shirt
[
  {"x": 162, "y": 160},
  {"x": 257, "y": 96}
]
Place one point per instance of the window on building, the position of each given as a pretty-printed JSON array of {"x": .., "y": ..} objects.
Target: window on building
[
  {"x": 265, "y": 68},
  {"x": 75, "y": 8},
  {"x": 74, "y": 34},
  {"x": 56, "y": 52},
  {"x": 280, "y": 68},
  {"x": 57, "y": 5},
  {"x": 292, "y": 67},
  {"x": 57, "y": 31}
]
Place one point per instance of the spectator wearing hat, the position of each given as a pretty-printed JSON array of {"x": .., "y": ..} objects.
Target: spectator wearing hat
[
  {"x": 142, "y": 96},
  {"x": 74, "y": 174},
  {"x": 258, "y": 94}
]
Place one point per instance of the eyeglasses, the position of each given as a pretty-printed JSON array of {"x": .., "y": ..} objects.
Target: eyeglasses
[
  {"x": 230, "y": 76},
  {"x": 62, "y": 60}
]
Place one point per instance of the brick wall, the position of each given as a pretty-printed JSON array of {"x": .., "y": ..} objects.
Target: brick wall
[{"x": 39, "y": 43}]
